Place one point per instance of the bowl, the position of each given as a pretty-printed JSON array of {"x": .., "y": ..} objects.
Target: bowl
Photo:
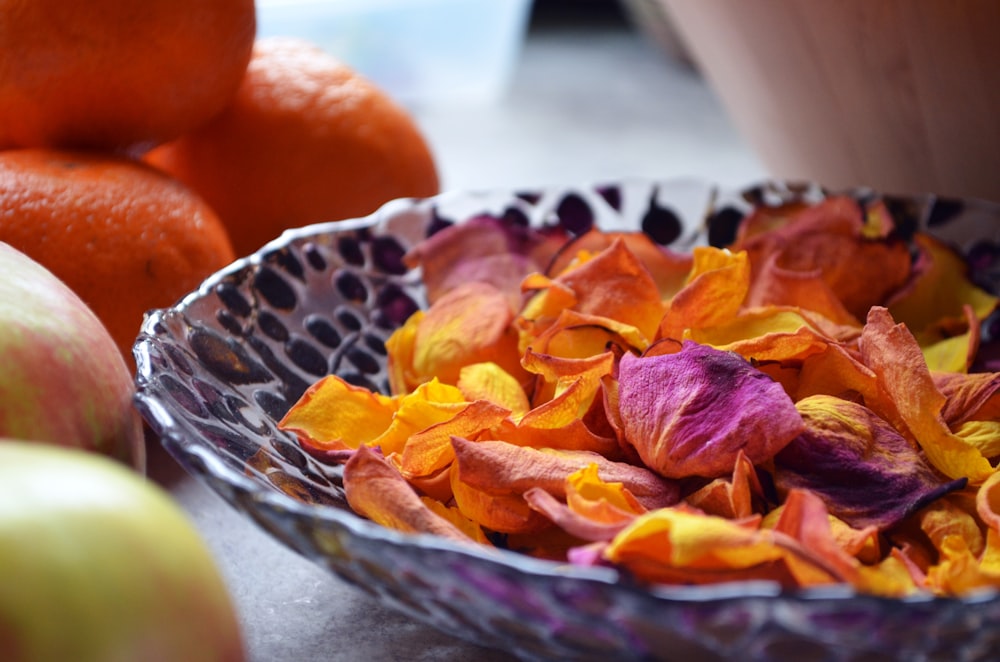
[{"x": 217, "y": 370}]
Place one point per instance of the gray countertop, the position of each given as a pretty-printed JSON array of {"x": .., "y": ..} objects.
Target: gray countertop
[{"x": 587, "y": 104}]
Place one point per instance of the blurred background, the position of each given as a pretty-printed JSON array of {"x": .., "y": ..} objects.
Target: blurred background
[
  {"x": 528, "y": 93},
  {"x": 896, "y": 95}
]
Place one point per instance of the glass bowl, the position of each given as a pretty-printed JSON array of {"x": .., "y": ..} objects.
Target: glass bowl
[{"x": 216, "y": 371}]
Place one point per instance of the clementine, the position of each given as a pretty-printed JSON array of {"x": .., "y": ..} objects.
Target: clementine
[
  {"x": 124, "y": 236},
  {"x": 307, "y": 139},
  {"x": 117, "y": 75}
]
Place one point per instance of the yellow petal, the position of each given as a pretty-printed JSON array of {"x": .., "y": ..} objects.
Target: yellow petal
[{"x": 333, "y": 414}]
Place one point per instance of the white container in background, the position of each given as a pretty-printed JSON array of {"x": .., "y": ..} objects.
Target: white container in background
[{"x": 421, "y": 52}]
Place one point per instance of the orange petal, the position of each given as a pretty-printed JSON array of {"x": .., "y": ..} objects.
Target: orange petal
[
  {"x": 429, "y": 450},
  {"x": 860, "y": 262},
  {"x": 716, "y": 288},
  {"x": 775, "y": 285},
  {"x": 577, "y": 524},
  {"x": 469, "y": 324},
  {"x": 677, "y": 538},
  {"x": 940, "y": 290},
  {"x": 836, "y": 371},
  {"x": 597, "y": 499},
  {"x": 988, "y": 501},
  {"x": 805, "y": 519},
  {"x": 765, "y": 334},
  {"x": 909, "y": 398},
  {"x": 502, "y": 468},
  {"x": 669, "y": 269},
  {"x": 731, "y": 498},
  {"x": 374, "y": 489},
  {"x": 430, "y": 404},
  {"x": 504, "y": 513},
  {"x": 616, "y": 285},
  {"x": 453, "y": 515},
  {"x": 948, "y": 517}
]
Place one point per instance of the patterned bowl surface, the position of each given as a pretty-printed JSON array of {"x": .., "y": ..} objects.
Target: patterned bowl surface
[{"x": 216, "y": 371}]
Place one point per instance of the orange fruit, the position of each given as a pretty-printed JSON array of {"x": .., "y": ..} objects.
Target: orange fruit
[
  {"x": 307, "y": 139},
  {"x": 115, "y": 75},
  {"x": 122, "y": 235}
]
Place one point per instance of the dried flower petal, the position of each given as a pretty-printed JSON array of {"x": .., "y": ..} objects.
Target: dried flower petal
[
  {"x": 490, "y": 382},
  {"x": 469, "y": 324},
  {"x": 429, "y": 450},
  {"x": 333, "y": 414},
  {"x": 909, "y": 399},
  {"x": 715, "y": 291},
  {"x": 691, "y": 413},
  {"x": 668, "y": 268},
  {"x": 576, "y": 524},
  {"x": 732, "y": 498},
  {"x": 866, "y": 472},
  {"x": 616, "y": 285},
  {"x": 575, "y": 335},
  {"x": 374, "y": 489},
  {"x": 939, "y": 292},
  {"x": 430, "y": 404},
  {"x": 501, "y": 468},
  {"x": 504, "y": 513},
  {"x": 853, "y": 252},
  {"x": 481, "y": 249},
  {"x": 777, "y": 285},
  {"x": 766, "y": 334}
]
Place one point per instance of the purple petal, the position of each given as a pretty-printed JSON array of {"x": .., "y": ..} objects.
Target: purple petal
[
  {"x": 691, "y": 413},
  {"x": 866, "y": 472}
]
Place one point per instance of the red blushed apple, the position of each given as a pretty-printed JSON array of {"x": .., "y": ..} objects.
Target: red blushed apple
[
  {"x": 100, "y": 564},
  {"x": 62, "y": 379}
]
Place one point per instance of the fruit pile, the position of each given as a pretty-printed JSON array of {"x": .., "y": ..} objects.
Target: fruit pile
[{"x": 144, "y": 146}]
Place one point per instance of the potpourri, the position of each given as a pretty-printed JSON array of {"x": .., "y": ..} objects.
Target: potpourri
[{"x": 803, "y": 406}]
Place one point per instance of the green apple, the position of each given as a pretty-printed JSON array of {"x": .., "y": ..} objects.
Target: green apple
[
  {"x": 101, "y": 565},
  {"x": 62, "y": 378}
]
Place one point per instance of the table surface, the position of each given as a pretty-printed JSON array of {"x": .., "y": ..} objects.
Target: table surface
[{"x": 587, "y": 103}]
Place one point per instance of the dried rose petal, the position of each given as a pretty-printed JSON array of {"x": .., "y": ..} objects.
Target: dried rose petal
[
  {"x": 867, "y": 473},
  {"x": 481, "y": 249},
  {"x": 612, "y": 284},
  {"x": 940, "y": 291},
  {"x": 716, "y": 289},
  {"x": 766, "y": 334},
  {"x": 576, "y": 335},
  {"x": 335, "y": 415},
  {"x": 505, "y": 513},
  {"x": 693, "y": 412},
  {"x": 427, "y": 451},
  {"x": 732, "y": 498},
  {"x": 907, "y": 397},
  {"x": 853, "y": 252},
  {"x": 469, "y": 324},
  {"x": 498, "y": 467},
  {"x": 374, "y": 489},
  {"x": 668, "y": 268},
  {"x": 576, "y": 524}
]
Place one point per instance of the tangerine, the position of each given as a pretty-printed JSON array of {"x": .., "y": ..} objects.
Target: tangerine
[
  {"x": 117, "y": 75},
  {"x": 307, "y": 139},
  {"x": 121, "y": 234}
]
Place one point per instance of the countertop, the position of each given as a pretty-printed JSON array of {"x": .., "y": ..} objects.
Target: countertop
[{"x": 588, "y": 102}]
